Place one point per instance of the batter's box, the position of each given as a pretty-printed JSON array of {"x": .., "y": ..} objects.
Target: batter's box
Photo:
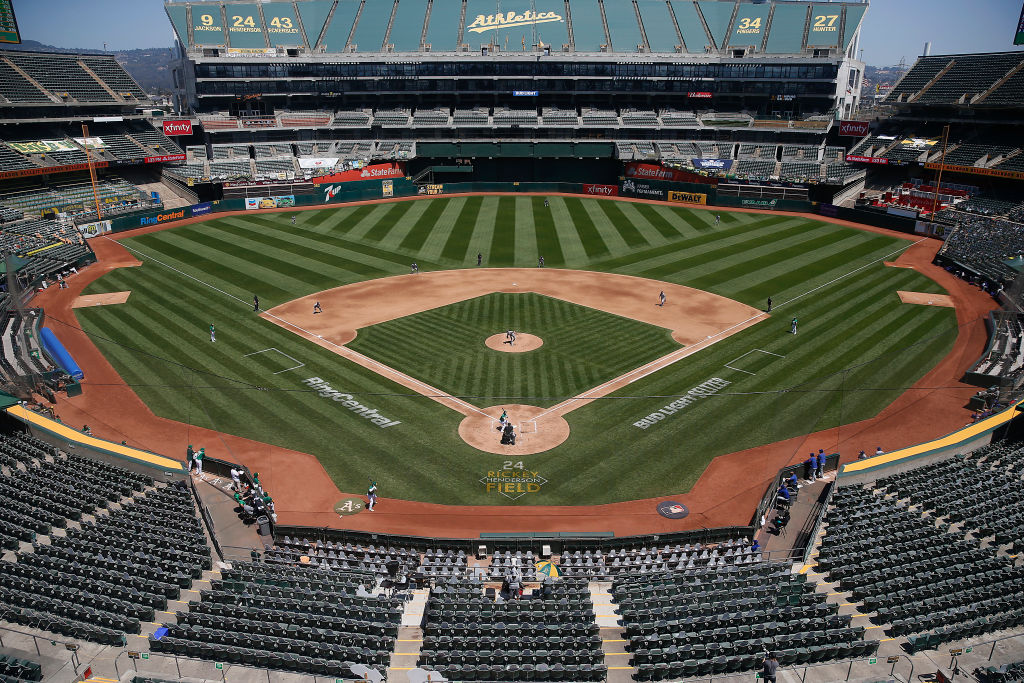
[
  {"x": 528, "y": 427},
  {"x": 753, "y": 361},
  {"x": 277, "y": 359}
]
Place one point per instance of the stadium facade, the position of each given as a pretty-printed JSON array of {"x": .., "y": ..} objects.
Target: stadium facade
[{"x": 768, "y": 58}]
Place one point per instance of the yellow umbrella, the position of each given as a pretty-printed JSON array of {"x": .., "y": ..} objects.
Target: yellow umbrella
[{"x": 547, "y": 568}]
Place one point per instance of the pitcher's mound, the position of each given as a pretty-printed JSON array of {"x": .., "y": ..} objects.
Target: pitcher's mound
[
  {"x": 534, "y": 433},
  {"x": 524, "y": 342}
]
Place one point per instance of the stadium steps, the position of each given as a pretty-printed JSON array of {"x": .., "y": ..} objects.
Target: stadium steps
[
  {"x": 998, "y": 84},
  {"x": 410, "y": 640},
  {"x": 613, "y": 638},
  {"x": 103, "y": 84}
]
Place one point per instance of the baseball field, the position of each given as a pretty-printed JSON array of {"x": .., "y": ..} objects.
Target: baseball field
[{"x": 386, "y": 398}]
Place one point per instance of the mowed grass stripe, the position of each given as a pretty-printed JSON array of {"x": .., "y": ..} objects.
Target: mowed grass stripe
[
  {"x": 617, "y": 219},
  {"x": 403, "y": 226},
  {"x": 570, "y": 242},
  {"x": 781, "y": 254},
  {"x": 548, "y": 245},
  {"x": 457, "y": 244},
  {"x": 713, "y": 247},
  {"x": 526, "y": 233},
  {"x": 502, "y": 251},
  {"x": 178, "y": 251},
  {"x": 381, "y": 221},
  {"x": 335, "y": 264},
  {"x": 589, "y": 236},
  {"x": 741, "y": 235},
  {"x": 484, "y": 228},
  {"x": 650, "y": 234},
  {"x": 432, "y": 248},
  {"x": 422, "y": 224},
  {"x": 233, "y": 254},
  {"x": 810, "y": 273},
  {"x": 610, "y": 233}
]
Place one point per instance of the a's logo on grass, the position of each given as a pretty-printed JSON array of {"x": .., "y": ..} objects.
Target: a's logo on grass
[
  {"x": 513, "y": 480},
  {"x": 349, "y": 506}
]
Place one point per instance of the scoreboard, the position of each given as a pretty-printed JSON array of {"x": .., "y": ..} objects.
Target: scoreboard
[{"x": 8, "y": 24}]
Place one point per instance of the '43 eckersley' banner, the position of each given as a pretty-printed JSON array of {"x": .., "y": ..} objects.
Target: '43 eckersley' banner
[{"x": 372, "y": 172}]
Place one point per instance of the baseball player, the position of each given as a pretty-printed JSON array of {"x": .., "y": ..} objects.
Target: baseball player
[
  {"x": 661, "y": 297},
  {"x": 255, "y": 303},
  {"x": 371, "y": 496},
  {"x": 316, "y": 308},
  {"x": 792, "y": 326},
  {"x": 213, "y": 333},
  {"x": 512, "y": 337}
]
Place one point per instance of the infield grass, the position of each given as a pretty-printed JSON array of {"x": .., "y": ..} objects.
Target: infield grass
[
  {"x": 582, "y": 348},
  {"x": 857, "y": 348}
]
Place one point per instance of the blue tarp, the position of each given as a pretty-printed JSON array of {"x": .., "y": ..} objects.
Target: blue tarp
[{"x": 59, "y": 354}]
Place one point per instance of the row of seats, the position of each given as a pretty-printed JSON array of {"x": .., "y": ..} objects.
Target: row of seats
[{"x": 913, "y": 571}]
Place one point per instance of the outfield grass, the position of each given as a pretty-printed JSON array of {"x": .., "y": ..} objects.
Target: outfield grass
[
  {"x": 582, "y": 348},
  {"x": 857, "y": 346}
]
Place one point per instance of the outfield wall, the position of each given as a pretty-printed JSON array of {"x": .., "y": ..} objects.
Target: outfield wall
[
  {"x": 73, "y": 441},
  {"x": 964, "y": 440}
]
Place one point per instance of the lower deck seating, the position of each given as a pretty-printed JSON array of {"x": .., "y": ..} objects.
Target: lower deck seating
[
  {"x": 294, "y": 618},
  {"x": 95, "y": 581},
  {"x": 946, "y": 587},
  {"x": 13, "y": 669},
  {"x": 718, "y": 620},
  {"x": 549, "y": 634}
]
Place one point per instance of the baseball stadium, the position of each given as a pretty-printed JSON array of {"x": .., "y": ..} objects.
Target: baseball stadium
[{"x": 569, "y": 340}]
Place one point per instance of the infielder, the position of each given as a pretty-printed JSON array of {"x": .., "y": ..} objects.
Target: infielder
[{"x": 661, "y": 297}]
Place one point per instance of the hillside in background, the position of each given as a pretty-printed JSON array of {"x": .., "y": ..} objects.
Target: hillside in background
[{"x": 149, "y": 66}]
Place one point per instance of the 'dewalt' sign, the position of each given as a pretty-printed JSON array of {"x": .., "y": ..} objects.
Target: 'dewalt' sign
[{"x": 490, "y": 22}]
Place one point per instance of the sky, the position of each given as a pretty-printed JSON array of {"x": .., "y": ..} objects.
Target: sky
[{"x": 892, "y": 28}]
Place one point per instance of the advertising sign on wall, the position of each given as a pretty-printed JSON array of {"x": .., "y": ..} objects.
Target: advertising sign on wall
[
  {"x": 165, "y": 157},
  {"x": 867, "y": 160},
  {"x": 601, "y": 190},
  {"x": 387, "y": 188},
  {"x": 277, "y": 202},
  {"x": 430, "y": 189},
  {"x": 712, "y": 164},
  {"x": 42, "y": 146},
  {"x": 854, "y": 128},
  {"x": 201, "y": 209},
  {"x": 178, "y": 127},
  {"x": 687, "y": 197},
  {"x": 90, "y": 230},
  {"x": 700, "y": 95},
  {"x": 371, "y": 172},
  {"x": 657, "y": 172},
  {"x": 633, "y": 188}
]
